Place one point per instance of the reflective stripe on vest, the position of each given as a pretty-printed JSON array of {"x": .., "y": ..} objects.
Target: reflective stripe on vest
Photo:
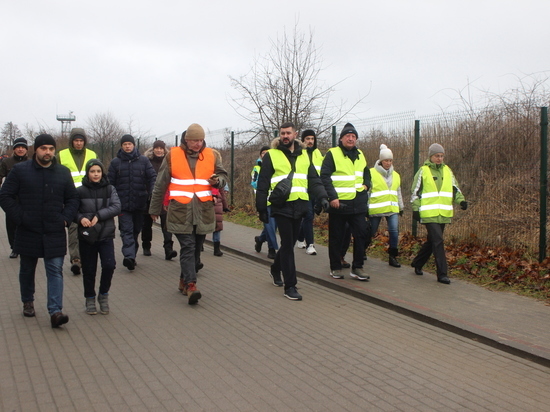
[
  {"x": 282, "y": 169},
  {"x": 183, "y": 185},
  {"x": 66, "y": 159},
  {"x": 347, "y": 179},
  {"x": 435, "y": 203},
  {"x": 317, "y": 160},
  {"x": 382, "y": 199}
]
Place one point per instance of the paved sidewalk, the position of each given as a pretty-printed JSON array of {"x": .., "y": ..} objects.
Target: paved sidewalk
[
  {"x": 245, "y": 347},
  {"x": 513, "y": 323}
]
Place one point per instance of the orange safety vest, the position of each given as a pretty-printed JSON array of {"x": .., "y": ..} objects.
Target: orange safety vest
[{"x": 183, "y": 185}]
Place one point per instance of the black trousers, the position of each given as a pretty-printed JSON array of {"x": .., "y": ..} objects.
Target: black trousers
[
  {"x": 434, "y": 245},
  {"x": 336, "y": 236},
  {"x": 284, "y": 259},
  {"x": 147, "y": 233}
]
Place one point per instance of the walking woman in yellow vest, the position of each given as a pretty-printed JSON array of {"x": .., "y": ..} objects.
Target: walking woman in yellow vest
[
  {"x": 434, "y": 189},
  {"x": 385, "y": 200}
]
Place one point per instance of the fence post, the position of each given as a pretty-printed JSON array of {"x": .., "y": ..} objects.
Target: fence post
[
  {"x": 416, "y": 163},
  {"x": 543, "y": 180},
  {"x": 334, "y": 136},
  {"x": 232, "y": 167}
]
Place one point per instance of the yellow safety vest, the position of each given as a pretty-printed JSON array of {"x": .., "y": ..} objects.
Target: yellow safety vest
[
  {"x": 317, "y": 160},
  {"x": 66, "y": 159},
  {"x": 282, "y": 168},
  {"x": 433, "y": 202},
  {"x": 347, "y": 179},
  {"x": 382, "y": 198}
]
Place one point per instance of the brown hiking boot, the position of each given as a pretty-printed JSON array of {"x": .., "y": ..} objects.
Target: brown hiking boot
[
  {"x": 28, "y": 309},
  {"x": 181, "y": 286},
  {"x": 193, "y": 294},
  {"x": 58, "y": 319}
]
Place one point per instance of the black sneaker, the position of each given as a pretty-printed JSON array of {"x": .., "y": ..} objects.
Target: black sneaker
[
  {"x": 271, "y": 253},
  {"x": 170, "y": 255},
  {"x": 276, "y": 277},
  {"x": 292, "y": 294},
  {"x": 146, "y": 252},
  {"x": 129, "y": 263},
  {"x": 258, "y": 245},
  {"x": 75, "y": 267}
]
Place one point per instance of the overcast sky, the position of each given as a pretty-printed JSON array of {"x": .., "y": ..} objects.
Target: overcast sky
[{"x": 165, "y": 64}]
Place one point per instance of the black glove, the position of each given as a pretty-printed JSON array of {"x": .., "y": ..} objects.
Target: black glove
[
  {"x": 464, "y": 205},
  {"x": 227, "y": 210},
  {"x": 400, "y": 213},
  {"x": 264, "y": 216},
  {"x": 322, "y": 206},
  {"x": 416, "y": 215}
]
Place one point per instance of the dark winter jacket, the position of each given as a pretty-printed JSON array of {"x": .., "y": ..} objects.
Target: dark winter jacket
[
  {"x": 133, "y": 177},
  {"x": 354, "y": 206},
  {"x": 7, "y": 164},
  {"x": 294, "y": 209},
  {"x": 99, "y": 199},
  {"x": 42, "y": 202}
]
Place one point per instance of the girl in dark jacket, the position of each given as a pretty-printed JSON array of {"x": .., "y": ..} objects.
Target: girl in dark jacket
[{"x": 99, "y": 204}]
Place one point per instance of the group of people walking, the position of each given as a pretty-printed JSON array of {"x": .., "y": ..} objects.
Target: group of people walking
[
  {"x": 46, "y": 194},
  {"x": 357, "y": 197},
  {"x": 185, "y": 187}
]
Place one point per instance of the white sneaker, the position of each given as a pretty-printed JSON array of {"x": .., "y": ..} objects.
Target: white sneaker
[
  {"x": 311, "y": 250},
  {"x": 300, "y": 245}
]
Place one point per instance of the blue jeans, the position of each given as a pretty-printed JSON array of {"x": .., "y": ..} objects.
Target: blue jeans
[
  {"x": 54, "y": 275},
  {"x": 270, "y": 232},
  {"x": 393, "y": 227},
  {"x": 217, "y": 236}
]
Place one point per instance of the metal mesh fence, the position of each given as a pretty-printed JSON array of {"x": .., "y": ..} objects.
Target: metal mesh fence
[{"x": 494, "y": 154}]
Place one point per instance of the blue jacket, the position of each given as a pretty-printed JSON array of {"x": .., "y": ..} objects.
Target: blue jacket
[
  {"x": 133, "y": 177},
  {"x": 42, "y": 202}
]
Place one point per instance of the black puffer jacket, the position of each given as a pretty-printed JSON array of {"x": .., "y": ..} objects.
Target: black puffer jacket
[
  {"x": 41, "y": 201},
  {"x": 296, "y": 208},
  {"x": 99, "y": 199},
  {"x": 133, "y": 177}
]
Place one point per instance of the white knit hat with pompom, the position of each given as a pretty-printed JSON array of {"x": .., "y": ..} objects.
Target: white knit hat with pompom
[{"x": 385, "y": 153}]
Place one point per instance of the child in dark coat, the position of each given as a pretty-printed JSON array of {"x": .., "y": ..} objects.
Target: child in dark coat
[{"x": 99, "y": 204}]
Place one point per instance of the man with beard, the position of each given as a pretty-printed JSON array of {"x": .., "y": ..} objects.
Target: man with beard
[
  {"x": 305, "y": 236},
  {"x": 189, "y": 172},
  {"x": 41, "y": 198},
  {"x": 287, "y": 155}
]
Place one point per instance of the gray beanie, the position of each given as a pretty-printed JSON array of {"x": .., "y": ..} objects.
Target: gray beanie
[{"x": 435, "y": 148}]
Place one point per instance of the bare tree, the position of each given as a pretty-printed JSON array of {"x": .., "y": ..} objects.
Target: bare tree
[
  {"x": 9, "y": 133},
  {"x": 104, "y": 132},
  {"x": 284, "y": 86}
]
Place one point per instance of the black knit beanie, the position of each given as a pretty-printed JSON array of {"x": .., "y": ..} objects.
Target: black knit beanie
[
  {"x": 349, "y": 128},
  {"x": 20, "y": 141},
  {"x": 44, "y": 139},
  {"x": 127, "y": 138}
]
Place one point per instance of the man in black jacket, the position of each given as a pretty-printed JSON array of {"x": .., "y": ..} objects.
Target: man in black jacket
[
  {"x": 286, "y": 155},
  {"x": 346, "y": 177},
  {"x": 41, "y": 198},
  {"x": 133, "y": 177},
  {"x": 20, "y": 149}
]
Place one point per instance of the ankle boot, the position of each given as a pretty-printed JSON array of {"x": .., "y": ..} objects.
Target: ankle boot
[
  {"x": 217, "y": 251},
  {"x": 393, "y": 252}
]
